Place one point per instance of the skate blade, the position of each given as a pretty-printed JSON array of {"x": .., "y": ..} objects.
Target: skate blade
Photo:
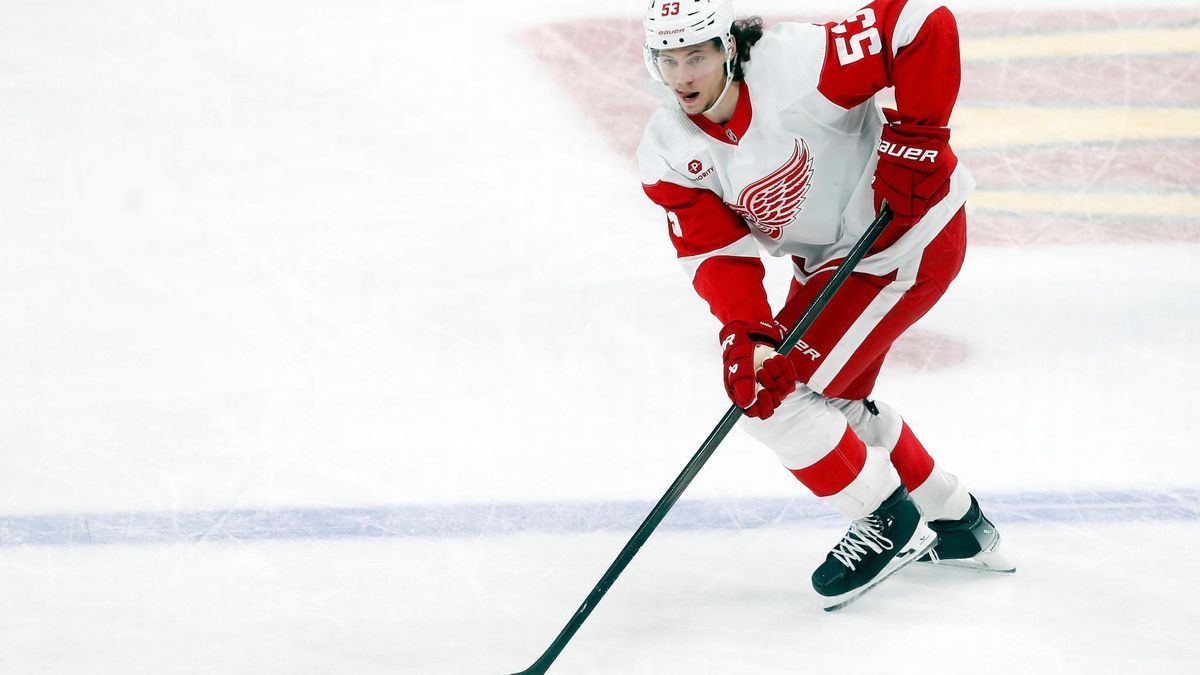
[
  {"x": 922, "y": 542},
  {"x": 987, "y": 561}
]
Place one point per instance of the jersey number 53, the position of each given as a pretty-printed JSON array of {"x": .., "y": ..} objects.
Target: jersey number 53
[{"x": 866, "y": 42}]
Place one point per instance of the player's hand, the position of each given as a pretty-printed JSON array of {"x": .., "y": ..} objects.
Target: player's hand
[
  {"x": 915, "y": 163},
  {"x": 777, "y": 379},
  {"x": 757, "y": 378}
]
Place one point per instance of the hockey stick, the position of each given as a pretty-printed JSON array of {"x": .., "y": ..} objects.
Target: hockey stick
[{"x": 706, "y": 450}]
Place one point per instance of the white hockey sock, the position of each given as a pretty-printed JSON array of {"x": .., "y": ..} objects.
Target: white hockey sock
[
  {"x": 941, "y": 497},
  {"x": 875, "y": 483}
]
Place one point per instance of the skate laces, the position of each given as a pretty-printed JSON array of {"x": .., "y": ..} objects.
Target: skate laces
[{"x": 865, "y": 534}]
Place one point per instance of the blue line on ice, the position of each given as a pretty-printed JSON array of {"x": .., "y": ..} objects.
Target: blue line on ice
[{"x": 469, "y": 520}]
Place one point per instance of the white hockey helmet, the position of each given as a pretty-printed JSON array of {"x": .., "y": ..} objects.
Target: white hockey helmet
[{"x": 671, "y": 24}]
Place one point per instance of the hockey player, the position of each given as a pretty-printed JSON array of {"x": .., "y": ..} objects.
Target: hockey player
[{"x": 774, "y": 140}]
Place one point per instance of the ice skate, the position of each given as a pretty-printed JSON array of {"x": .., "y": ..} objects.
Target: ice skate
[
  {"x": 969, "y": 542},
  {"x": 872, "y": 549}
]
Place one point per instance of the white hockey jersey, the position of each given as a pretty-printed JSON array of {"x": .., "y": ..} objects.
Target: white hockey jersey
[{"x": 791, "y": 171}]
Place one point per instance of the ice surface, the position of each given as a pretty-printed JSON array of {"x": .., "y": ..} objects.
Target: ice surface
[{"x": 343, "y": 340}]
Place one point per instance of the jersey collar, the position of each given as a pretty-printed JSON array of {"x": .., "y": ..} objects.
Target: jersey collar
[{"x": 732, "y": 131}]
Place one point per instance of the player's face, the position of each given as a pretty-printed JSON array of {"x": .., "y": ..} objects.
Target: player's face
[{"x": 696, "y": 75}]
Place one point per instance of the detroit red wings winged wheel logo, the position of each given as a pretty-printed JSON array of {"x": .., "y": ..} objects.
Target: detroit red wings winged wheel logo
[{"x": 773, "y": 201}]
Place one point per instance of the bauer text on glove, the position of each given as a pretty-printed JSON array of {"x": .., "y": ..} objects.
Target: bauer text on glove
[{"x": 915, "y": 163}]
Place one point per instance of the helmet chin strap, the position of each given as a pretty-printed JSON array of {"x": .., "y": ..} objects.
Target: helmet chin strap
[{"x": 728, "y": 82}]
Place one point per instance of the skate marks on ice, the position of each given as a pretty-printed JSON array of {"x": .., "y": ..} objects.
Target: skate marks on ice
[
  {"x": 473, "y": 520},
  {"x": 1080, "y": 127}
]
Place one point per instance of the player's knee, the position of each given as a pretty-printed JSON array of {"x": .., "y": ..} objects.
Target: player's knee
[
  {"x": 856, "y": 412},
  {"x": 875, "y": 422},
  {"x": 801, "y": 431},
  {"x": 796, "y": 409}
]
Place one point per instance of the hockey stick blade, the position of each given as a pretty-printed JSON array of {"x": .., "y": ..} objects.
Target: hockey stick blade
[{"x": 706, "y": 450}]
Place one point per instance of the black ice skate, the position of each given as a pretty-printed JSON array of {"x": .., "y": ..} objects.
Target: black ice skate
[
  {"x": 872, "y": 549},
  {"x": 969, "y": 542}
]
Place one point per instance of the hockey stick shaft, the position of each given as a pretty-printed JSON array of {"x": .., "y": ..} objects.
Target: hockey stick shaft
[{"x": 660, "y": 510}]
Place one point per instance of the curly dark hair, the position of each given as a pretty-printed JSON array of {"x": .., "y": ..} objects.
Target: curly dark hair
[{"x": 746, "y": 32}]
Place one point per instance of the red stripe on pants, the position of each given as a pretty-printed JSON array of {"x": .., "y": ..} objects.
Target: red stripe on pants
[
  {"x": 833, "y": 472},
  {"x": 940, "y": 263}
]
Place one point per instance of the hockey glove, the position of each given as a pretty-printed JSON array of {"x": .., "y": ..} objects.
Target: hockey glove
[
  {"x": 915, "y": 162},
  {"x": 757, "y": 379}
]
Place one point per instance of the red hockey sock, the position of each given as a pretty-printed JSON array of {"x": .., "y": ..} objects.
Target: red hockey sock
[
  {"x": 837, "y": 469},
  {"x": 911, "y": 460}
]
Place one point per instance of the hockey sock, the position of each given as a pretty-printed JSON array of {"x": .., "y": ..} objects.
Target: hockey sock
[
  {"x": 936, "y": 492},
  {"x": 941, "y": 497},
  {"x": 852, "y": 477},
  {"x": 911, "y": 460}
]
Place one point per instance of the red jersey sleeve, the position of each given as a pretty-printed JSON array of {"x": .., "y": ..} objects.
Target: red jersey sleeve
[
  {"x": 911, "y": 45},
  {"x": 714, "y": 245}
]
